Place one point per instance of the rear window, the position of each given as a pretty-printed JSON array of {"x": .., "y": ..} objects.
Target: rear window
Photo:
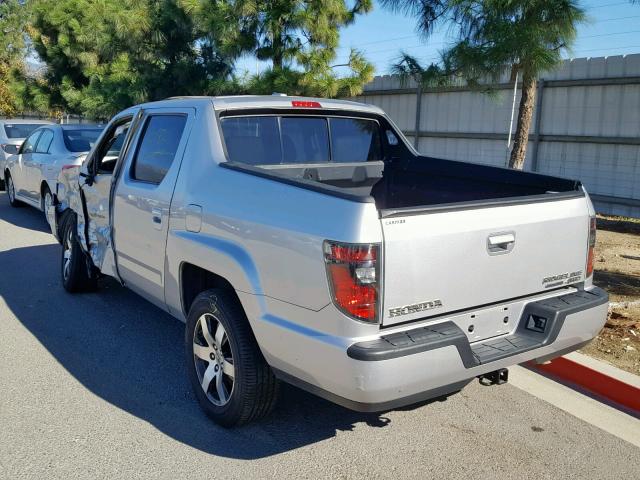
[
  {"x": 80, "y": 140},
  {"x": 270, "y": 140},
  {"x": 20, "y": 130}
]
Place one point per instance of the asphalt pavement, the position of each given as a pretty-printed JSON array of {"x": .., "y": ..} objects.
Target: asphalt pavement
[{"x": 94, "y": 386}]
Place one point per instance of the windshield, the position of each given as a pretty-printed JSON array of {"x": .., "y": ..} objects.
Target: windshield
[
  {"x": 20, "y": 130},
  {"x": 269, "y": 140},
  {"x": 80, "y": 140}
]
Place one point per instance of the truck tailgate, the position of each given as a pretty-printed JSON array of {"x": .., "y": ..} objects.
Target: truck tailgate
[{"x": 443, "y": 261}]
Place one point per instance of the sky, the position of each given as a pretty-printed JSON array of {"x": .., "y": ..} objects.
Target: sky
[{"x": 613, "y": 29}]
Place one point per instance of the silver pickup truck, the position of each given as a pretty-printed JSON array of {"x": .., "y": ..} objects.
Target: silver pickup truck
[{"x": 305, "y": 240}]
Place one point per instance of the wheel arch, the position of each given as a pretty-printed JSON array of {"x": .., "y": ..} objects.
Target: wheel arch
[{"x": 195, "y": 279}]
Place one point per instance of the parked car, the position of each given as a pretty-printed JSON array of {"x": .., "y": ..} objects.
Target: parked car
[
  {"x": 13, "y": 131},
  {"x": 31, "y": 175},
  {"x": 306, "y": 240}
]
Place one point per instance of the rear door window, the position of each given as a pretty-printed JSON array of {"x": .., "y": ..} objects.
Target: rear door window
[
  {"x": 44, "y": 143},
  {"x": 272, "y": 139},
  {"x": 158, "y": 147}
]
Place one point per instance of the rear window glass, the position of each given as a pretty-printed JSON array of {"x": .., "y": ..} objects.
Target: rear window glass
[
  {"x": 269, "y": 140},
  {"x": 354, "y": 140},
  {"x": 253, "y": 140},
  {"x": 80, "y": 140},
  {"x": 20, "y": 130}
]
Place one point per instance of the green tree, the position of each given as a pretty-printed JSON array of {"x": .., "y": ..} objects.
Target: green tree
[
  {"x": 13, "y": 24},
  {"x": 104, "y": 55},
  {"x": 524, "y": 36},
  {"x": 298, "y": 37}
]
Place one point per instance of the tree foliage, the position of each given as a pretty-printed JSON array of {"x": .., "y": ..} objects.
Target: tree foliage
[
  {"x": 13, "y": 24},
  {"x": 524, "y": 36},
  {"x": 299, "y": 38},
  {"x": 105, "y": 55}
]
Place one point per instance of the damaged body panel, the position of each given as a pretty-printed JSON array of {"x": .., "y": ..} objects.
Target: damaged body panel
[{"x": 86, "y": 190}]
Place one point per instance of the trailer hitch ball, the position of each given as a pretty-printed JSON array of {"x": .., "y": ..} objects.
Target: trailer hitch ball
[{"x": 497, "y": 377}]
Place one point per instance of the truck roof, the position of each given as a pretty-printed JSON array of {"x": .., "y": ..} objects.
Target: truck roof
[{"x": 262, "y": 101}]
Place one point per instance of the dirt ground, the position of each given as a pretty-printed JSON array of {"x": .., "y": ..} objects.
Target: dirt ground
[{"x": 617, "y": 270}]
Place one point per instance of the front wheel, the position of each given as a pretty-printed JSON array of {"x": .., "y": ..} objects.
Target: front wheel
[
  {"x": 74, "y": 268},
  {"x": 231, "y": 379}
]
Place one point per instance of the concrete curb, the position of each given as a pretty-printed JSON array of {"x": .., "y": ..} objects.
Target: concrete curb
[{"x": 594, "y": 376}]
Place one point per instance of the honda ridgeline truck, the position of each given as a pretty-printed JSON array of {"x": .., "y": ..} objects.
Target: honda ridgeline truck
[{"x": 305, "y": 240}]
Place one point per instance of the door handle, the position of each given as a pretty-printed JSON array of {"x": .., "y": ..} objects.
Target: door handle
[
  {"x": 156, "y": 217},
  {"x": 501, "y": 242}
]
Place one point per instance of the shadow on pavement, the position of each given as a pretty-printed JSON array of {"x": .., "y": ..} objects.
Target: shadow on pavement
[
  {"x": 617, "y": 283},
  {"x": 130, "y": 353},
  {"x": 24, "y": 216}
]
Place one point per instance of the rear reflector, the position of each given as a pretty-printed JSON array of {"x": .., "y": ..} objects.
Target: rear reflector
[{"x": 301, "y": 104}]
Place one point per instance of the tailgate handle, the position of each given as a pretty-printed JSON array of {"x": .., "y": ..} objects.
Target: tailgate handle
[{"x": 498, "y": 243}]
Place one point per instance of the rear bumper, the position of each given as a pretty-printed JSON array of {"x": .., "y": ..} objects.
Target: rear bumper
[{"x": 432, "y": 361}]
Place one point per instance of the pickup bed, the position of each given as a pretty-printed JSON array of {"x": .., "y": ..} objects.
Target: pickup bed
[{"x": 305, "y": 240}]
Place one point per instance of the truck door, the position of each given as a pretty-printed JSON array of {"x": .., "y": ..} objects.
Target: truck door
[
  {"x": 142, "y": 199},
  {"x": 96, "y": 175}
]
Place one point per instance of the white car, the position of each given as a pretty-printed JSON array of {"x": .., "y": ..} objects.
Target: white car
[
  {"x": 31, "y": 174},
  {"x": 13, "y": 131}
]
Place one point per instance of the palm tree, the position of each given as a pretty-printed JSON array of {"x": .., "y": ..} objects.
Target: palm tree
[{"x": 526, "y": 37}]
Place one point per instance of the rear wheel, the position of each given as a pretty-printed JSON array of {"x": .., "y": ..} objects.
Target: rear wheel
[
  {"x": 74, "y": 266},
  {"x": 46, "y": 200},
  {"x": 11, "y": 192},
  {"x": 232, "y": 381}
]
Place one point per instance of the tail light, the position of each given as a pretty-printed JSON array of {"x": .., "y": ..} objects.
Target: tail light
[
  {"x": 352, "y": 270},
  {"x": 592, "y": 245}
]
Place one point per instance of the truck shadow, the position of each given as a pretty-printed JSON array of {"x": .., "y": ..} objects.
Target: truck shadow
[
  {"x": 23, "y": 217},
  {"x": 131, "y": 354},
  {"x": 624, "y": 284}
]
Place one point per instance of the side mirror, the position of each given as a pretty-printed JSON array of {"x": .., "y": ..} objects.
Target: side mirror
[{"x": 88, "y": 178}]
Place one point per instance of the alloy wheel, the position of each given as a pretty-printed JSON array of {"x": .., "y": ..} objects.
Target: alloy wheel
[
  {"x": 10, "y": 190},
  {"x": 66, "y": 259},
  {"x": 213, "y": 359},
  {"x": 48, "y": 201}
]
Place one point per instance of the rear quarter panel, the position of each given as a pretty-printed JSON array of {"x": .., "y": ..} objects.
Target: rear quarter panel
[{"x": 263, "y": 236}]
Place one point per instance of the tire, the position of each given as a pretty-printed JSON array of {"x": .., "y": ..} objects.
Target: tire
[
  {"x": 231, "y": 358},
  {"x": 2, "y": 187},
  {"x": 43, "y": 199},
  {"x": 11, "y": 192},
  {"x": 73, "y": 264}
]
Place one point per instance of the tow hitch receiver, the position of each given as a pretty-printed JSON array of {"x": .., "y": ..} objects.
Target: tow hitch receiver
[{"x": 497, "y": 377}]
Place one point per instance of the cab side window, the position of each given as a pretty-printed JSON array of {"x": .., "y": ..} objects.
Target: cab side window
[
  {"x": 44, "y": 143},
  {"x": 158, "y": 147},
  {"x": 29, "y": 144}
]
